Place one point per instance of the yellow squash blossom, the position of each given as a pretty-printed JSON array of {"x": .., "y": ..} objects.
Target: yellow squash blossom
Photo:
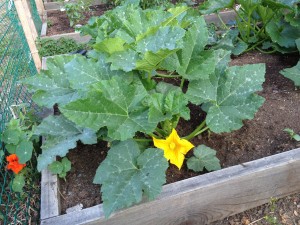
[{"x": 174, "y": 148}]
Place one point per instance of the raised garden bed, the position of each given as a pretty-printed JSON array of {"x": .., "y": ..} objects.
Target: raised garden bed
[
  {"x": 57, "y": 24},
  {"x": 216, "y": 195},
  {"x": 228, "y": 97}
]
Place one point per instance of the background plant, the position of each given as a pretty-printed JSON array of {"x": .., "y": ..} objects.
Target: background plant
[
  {"x": 50, "y": 47},
  {"x": 117, "y": 94},
  {"x": 75, "y": 10},
  {"x": 265, "y": 25}
]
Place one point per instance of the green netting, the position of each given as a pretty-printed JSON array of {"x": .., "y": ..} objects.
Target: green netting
[
  {"x": 15, "y": 63},
  {"x": 35, "y": 16}
]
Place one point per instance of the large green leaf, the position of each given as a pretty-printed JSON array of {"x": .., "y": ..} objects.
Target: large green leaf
[
  {"x": 18, "y": 183},
  {"x": 283, "y": 33},
  {"x": 192, "y": 61},
  {"x": 115, "y": 104},
  {"x": 204, "y": 157},
  {"x": 229, "y": 98},
  {"x": 293, "y": 74},
  {"x": 211, "y": 6},
  {"x": 168, "y": 100},
  {"x": 52, "y": 86},
  {"x": 60, "y": 136},
  {"x": 82, "y": 72},
  {"x": 141, "y": 39},
  {"x": 24, "y": 151},
  {"x": 127, "y": 173}
]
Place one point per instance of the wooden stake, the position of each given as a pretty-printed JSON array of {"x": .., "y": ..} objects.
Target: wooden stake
[
  {"x": 41, "y": 9},
  {"x": 29, "y": 19},
  {"x": 23, "y": 16}
]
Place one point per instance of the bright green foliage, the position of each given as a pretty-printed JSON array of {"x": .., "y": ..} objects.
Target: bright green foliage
[
  {"x": 116, "y": 104},
  {"x": 283, "y": 33},
  {"x": 209, "y": 7},
  {"x": 60, "y": 135},
  {"x": 51, "y": 86},
  {"x": 18, "y": 141},
  {"x": 60, "y": 168},
  {"x": 18, "y": 183},
  {"x": 229, "y": 98},
  {"x": 292, "y": 134},
  {"x": 140, "y": 39},
  {"x": 127, "y": 173},
  {"x": 51, "y": 47},
  {"x": 167, "y": 102},
  {"x": 203, "y": 157}
]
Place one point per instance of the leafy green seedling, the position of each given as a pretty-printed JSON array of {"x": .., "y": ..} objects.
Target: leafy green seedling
[{"x": 292, "y": 134}]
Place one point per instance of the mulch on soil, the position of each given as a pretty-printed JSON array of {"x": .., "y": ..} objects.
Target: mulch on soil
[{"x": 260, "y": 137}]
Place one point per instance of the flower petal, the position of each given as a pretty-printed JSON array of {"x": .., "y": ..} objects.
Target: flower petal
[
  {"x": 159, "y": 143},
  {"x": 185, "y": 146}
]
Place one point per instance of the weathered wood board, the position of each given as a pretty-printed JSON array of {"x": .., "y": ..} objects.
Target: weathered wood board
[{"x": 205, "y": 198}]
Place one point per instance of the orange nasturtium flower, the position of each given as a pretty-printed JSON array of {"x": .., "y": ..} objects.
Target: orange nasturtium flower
[
  {"x": 13, "y": 163},
  {"x": 174, "y": 148}
]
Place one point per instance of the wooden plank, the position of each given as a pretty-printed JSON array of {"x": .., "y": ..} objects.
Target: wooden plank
[
  {"x": 44, "y": 30},
  {"x": 74, "y": 36},
  {"x": 28, "y": 34},
  {"x": 205, "y": 198},
  {"x": 40, "y": 8},
  {"x": 50, "y": 202},
  {"x": 29, "y": 19},
  {"x": 226, "y": 16}
]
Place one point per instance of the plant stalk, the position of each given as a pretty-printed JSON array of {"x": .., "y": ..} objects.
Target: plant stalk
[{"x": 197, "y": 131}]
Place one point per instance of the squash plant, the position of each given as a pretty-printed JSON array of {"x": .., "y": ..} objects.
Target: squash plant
[
  {"x": 117, "y": 94},
  {"x": 265, "y": 25}
]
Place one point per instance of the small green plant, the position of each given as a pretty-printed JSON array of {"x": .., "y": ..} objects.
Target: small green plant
[
  {"x": 60, "y": 167},
  {"x": 49, "y": 23},
  {"x": 50, "y": 47},
  {"x": 19, "y": 141},
  {"x": 271, "y": 218},
  {"x": 75, "y": 10},
  {"x": 292, "y": 134}
]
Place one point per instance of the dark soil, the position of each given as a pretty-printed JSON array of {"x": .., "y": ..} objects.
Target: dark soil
[
  {"x": 58, "y": 22},
  {"x": 260, "y": 137}
]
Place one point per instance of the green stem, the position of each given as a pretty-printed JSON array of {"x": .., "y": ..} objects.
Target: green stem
[
  {"x": 254, "y": 46},
  {"x": 197, "y": 131},
  {"x": 149, "y": 78},
  {"x": 182, "y": 83},
  {"x": 222, "y": 22},
  {"x": 161, "y": 132},
  {"x": 266, "y": 52},
  {"x": 153, "y": 135},
  {"x": 167, "y": 76},
  {"x": 142, "y": 139}
]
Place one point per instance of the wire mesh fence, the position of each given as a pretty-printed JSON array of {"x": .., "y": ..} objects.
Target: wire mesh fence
[
  {"x": 15, "y": 63},
  {"x": 35, "y": 15}
]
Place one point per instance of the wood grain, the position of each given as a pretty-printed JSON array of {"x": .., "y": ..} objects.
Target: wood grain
[
  {"x": 206, "y": 198},
  {"x": 24, "y": 16}
]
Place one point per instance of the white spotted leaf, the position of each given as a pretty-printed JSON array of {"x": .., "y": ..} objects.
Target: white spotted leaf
[
  {"x": 229, "y": 97},
  {"x": 127, "y": 173}
]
